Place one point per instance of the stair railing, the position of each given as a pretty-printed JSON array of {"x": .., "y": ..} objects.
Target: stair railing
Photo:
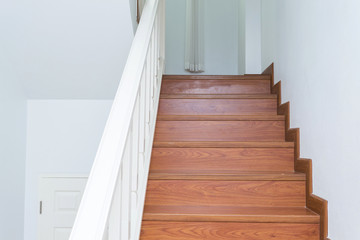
[{"x": 113, "y": 200}]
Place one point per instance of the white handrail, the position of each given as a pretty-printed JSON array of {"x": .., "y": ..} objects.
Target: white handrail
[{"x": 113, "y": 201}]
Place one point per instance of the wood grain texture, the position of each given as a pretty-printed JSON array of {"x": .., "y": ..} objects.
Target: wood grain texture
[
  {"x": 217, "y": 175},
  {"x": 230, "y": 214},
  {"x": 223, "y": 144},
  {"x": 223, "y": 155},
  {"x": 155, "y": 230},
  {"x": 219, "y": 131},
  {"x": 218, "y": 96},
  {"x": 215, "y": 87},
  {"x": 218, "y": 77},
  {"x": 317, "y": 204},
  {"x": 226, "y": 193},
  {"x": 269, "y": 72},
  {"x": 222, "y": 159},
  {"x": 217, "y": 107},
  {"x": 220, "y": 118}
]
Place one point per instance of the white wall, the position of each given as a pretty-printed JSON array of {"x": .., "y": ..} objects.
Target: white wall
[
  {"x": 12, "y": 124},
  {"x": 54, "y": 50},
  {"x": 74, "y": 49},
  {"x": 221, "y": 37},
  {"x": 315, "y": 46},
  {"x": 242, "y": 39},
  {"x": 12, "y": 154},
  {"x": 253, "y": 37},
  {"x": 62, "y": 137}
]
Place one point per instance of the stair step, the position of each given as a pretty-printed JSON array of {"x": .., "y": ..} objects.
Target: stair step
[
  {"x": 177, "y": 158},
  {"x": 219, "y": 131},
  {"x": 222, "y": 144},
  {"x": 216, "y": 85},
  {"x": 218, "y": 96},
  {"x": 218, "y": 107},
  {"x": 168, "y": 230},
  {"x": 217, "y": 175},
  {"x": 226, "y": 193},
  {"x": 221, "y": 118},
  {"x": 218, "y": 77},
  {"x": 230, "y": 214}
]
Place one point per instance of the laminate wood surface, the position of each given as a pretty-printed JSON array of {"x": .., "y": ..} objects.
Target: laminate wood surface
[
  {"x": 215, "y": 87},
  {"x": 222, "y": 144},
  {"x": 226, "y": 176},
  {"x": 218, "y": 96},
  {"x": 317, "y": 204},
  {"x": 217, "y": 107},
  {"x": 230, "y": 214},
  {"x": 226, "y": 193},
  {"x": 219, "y": 131},
  {"x": 155, "y": 230},
  {"x": 223, "y": 159},
  {"x": 218, "y": 77},
  {"x": 220, "y": 118}
]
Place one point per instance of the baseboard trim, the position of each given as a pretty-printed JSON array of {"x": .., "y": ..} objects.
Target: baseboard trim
[{"x": 313, "y": 202}]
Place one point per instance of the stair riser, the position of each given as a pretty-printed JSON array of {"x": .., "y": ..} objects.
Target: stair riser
[
  {"x": 219, "y": 131},
  {"x": 222, "y": 159},
  {"x": 218, "y": 107},
  {"x": 216, "y": 87},
  {"x": 229, "y": 193},
  {"x": 155, "y": 230}
]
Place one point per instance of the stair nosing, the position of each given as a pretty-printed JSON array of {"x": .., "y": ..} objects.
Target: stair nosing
[
  {"x": 234, "y": 217},
  {"x": 240, "y": 176},
  {"x": 220, "y": 118},
  {"x": 217, "y": 77},
  {"x": 229, "y": 218},
  {"x": 218, "y": 96},
  {"x": 222, "y": 144}
]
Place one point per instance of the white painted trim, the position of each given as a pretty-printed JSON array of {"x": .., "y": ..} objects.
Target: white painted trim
[{"x": 111, "y": 170}]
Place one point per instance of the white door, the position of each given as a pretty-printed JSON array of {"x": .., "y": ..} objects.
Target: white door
[{"x": 59, "y": 199}]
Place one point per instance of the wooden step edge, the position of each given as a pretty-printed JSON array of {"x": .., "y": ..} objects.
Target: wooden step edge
[
  {"x": 217, "y": 77},
  {"x": 221, "y": 144},
  {"x": 220, "y": 118},
  {"x": 247, "y": 217},
  {"x": 229, "y": 218},
  {"x": 241, "y": 176},
  {"x": 218, "y": 96}
]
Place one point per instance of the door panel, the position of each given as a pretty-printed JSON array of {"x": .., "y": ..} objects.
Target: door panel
[{"x": 59, "y": 200}]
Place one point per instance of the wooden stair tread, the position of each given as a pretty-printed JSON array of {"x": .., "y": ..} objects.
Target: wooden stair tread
[
  {"x": 223, "y": 144},
  {"x": 222, "y": 166},
  {"x": 217, "y": 77},
  {"x": 218, "y": 96},
  {"x": 218, "y": 106},
  {"x": 216, "y": 86},
  {"x": 265, "y": 193},
  {"x": 226, "y": 175},
  {"x": 221, "y": 118},
  {"x": 219, "y": 131},
  {"x": 229, "y": 214}
]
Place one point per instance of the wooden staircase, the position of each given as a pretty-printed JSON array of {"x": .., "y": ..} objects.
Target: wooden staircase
[{"x": 221, "y": 167}]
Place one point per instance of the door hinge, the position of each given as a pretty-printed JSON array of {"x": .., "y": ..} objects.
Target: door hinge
[{"x": 40, "y": 207}]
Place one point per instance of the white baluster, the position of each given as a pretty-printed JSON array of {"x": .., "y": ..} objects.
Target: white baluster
[
  {"x": 148, "y": 97},
  {"x": 134, "y": 165},
  {"x": 115, "y": 212},
  {"x": 113, "y": 200},
  {"x": 125, "y": 193}
]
